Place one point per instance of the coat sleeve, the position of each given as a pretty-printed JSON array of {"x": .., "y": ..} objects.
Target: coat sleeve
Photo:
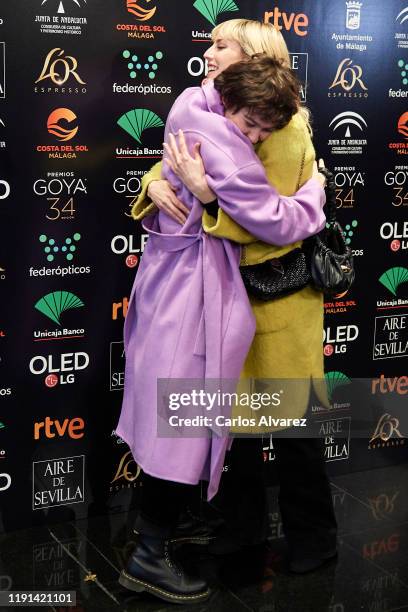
[
  {"x": 248, "y": 198},
  {"x": 143, "y": 206}
]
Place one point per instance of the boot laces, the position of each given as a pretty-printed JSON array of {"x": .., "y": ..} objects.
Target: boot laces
[{"x": 176, "y": 568}]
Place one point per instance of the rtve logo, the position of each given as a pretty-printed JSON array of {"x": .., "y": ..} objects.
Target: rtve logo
[
  {"x": 50, "y": 428},
  {"x": 285, "y": 21}
]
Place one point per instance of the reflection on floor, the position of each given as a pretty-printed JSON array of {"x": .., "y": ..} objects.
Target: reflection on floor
[{"x": 370, "y": 574}]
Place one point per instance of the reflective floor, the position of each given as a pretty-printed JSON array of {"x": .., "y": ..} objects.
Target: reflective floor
[{"x": 371, "y": 572}]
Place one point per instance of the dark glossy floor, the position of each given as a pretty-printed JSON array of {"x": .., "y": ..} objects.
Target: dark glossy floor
[{"x": 370, "y": 574}]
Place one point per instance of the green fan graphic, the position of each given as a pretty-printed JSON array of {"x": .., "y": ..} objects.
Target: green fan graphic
[
  {"x": 393, "y": 278},
  {"x": 54, "y": 304},
  {"x": 335, "y": 379},
  {"x": 210, "y": 9},
  {"x": 2, "y": 426},
  {"x": 137, "y": 120}
]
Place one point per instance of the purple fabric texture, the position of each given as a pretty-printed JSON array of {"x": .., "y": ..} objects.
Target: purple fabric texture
[{"x": 189, "y": 315}]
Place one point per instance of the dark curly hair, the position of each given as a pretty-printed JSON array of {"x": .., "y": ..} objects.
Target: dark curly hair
[{"x": 263, "y": 85}]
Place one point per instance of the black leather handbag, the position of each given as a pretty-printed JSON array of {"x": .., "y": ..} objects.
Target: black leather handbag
[{"x": 324, "y": 261}]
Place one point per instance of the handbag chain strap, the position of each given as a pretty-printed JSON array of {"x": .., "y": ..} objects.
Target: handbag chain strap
[{"x": 331, "y": 214}]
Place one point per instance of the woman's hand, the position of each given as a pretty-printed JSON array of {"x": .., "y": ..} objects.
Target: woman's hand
[
  {"x": 162, "y": 195},
  {"x": 189, "y": 169},
  {"x": 318, "y": 175}
]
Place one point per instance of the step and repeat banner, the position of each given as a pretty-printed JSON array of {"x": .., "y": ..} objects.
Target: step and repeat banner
[{"x": 85, "y": 88}]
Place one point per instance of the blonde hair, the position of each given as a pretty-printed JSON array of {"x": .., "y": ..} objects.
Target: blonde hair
[{"x": 257, "y": 37}]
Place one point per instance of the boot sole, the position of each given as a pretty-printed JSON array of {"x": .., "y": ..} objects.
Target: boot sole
[
  {"x": 134, "y": 584},
  {"x": 204, "y": 540}
]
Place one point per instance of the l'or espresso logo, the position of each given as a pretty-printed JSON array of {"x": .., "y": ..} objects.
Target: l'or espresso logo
[
  {"x": 129, "y": 246},
  {"x": 336, "y": 435},
  {"x": 349, "y": 182},
  {"x": 392, "y": 279},
  {"x": 58, "y": 482},
  {"x": 383, "y": 505},
  {"x": 128, "y": 186},
  {"x": 56, "y": 428},
  {"x": 336, "y": 339},
  {"x": 387, "y": 433},
  {"x": 349, "y": 139},
  {"x": 397, "y": 179},
  {"x": 401, "y": 147},
  {"x": 2, "y": 70},
  {"x": 61, "y": 191},
  {"x": 348, "y": 82},
  {"x": 127, "y": 474},
  {"x": 397, "y": 233},
  {"x": 352, "y": 41},
  {"x": 391, "y": 337},
  {"x": 59, "y": 73},
  {"x": 59, "y": 369},
  {"x": 135, "y": 123},
  {"x": 140, "y": 12},
  {"x": 288, "y": 22},
  {"x": 52, "y": 306},
  {"x": 59, "y": 19},
  {"x": 401, "y": 22},
  {"x": 63, "y": 126}
]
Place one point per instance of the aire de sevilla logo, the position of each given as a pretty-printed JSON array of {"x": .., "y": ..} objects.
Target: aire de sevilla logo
[
  {"x": 58, "y": 68},
  {"x": 62, "y": 124},
  {"x": 211, "y": 9},
  {"x": 135, "y": 122}
]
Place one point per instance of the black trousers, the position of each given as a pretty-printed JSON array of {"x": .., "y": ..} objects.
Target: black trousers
[{"x": 305, "y": 500}]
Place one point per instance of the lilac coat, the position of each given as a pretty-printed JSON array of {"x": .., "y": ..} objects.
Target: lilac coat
[{"x": 189, "y": 314}]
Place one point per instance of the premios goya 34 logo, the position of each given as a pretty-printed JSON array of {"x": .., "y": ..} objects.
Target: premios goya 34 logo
[
  {"x": 211, "y": 9},
  {"x": 61, "y": 191},
  {"x": 58, "y": 70},
  {"x": 135, "y": 122},
  {"x": 52, "y": 306}
]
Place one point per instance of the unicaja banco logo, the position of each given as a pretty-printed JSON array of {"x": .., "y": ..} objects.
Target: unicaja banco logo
[
  {"x": 54, "y": 304},
  {"x": 348, "y": 118},
  {"x": 67, "y": 249},
  {"x": 141, "y": 14},
  {"x": 54, "y": 124},
  {"x": 137, "y": 65},
  {"x": 59, "y": 67},
  {"x": 210, "y": 9},
  {"x": 393, "y": 278},
  {"x": 334, "y": 380},
  {"x": 353, "y": 15},
  {"x": 348, "y": 75},
  {"x": 136, "y": 121}
]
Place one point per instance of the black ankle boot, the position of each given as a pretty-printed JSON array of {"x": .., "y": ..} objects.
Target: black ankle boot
[{"x": 152, "y": 569}]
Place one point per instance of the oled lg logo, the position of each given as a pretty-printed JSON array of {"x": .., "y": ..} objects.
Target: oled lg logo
[
  {"x": 121, "y": 245},
  {"x": 5, "y": 481},
  {"x": 59, "y": 369},
  {"x": 4, "y": 190},
  {"x": 50, "y": 428},
  {"x": 336, "y": 339},
  {"x": 397, "y": 233}
]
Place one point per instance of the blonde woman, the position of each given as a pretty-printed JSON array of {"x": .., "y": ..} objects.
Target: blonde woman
[{"x": 289, "y": 330}]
